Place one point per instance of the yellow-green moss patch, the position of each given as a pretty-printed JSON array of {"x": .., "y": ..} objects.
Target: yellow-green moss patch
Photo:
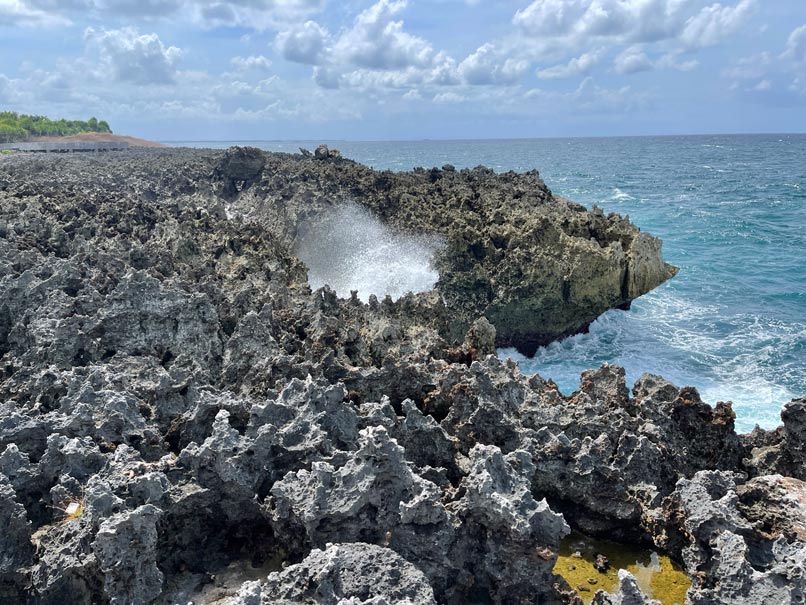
[{"x": 658, "y": 576}]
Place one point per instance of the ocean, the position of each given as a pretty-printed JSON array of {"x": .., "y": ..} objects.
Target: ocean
[{"x": 731, "y": 211}]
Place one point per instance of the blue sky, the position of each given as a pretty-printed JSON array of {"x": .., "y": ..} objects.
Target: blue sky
[{"x": 408, "y": 69}]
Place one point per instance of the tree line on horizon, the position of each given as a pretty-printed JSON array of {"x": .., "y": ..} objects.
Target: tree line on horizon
[{"x": 15, "y": 127}]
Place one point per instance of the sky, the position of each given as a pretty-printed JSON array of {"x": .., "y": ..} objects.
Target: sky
[{"x": 407, "y": 69}]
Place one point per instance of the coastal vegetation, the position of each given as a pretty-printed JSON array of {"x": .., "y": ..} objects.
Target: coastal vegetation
[{"x": 19, "y": 127}]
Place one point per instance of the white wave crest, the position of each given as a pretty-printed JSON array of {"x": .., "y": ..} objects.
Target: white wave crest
[
  {"x": 620, "y": 196},
  {"x": 348, "y": 249}
]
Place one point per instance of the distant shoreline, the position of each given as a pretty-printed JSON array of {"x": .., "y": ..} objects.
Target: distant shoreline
[{"x": 94, "y": 137}]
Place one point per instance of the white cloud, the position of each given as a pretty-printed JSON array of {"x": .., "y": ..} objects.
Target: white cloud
[
  {"x": 377, "y": 41},
  {"x": 487, "y": 66},
  {"x": 132, "y": 57},
  {"x": 105, "y": 8},
  {"x": 370, "y": 79},
  {"x": 251, "y": 63},
  {"x": 550, "y": 17},
  {"x": 632, "y": 60},
  {"x": 253, "y": 14},
  {"x": 575, "y": 67},
  {"x": 326, "y": 77},
  {"x": 5, "y": 89},
  {"x": 796, "y": 46},
  {"x": 715, "y": 23},
  {"x": 17, "y": 13},
  {"x": 444, "y": 72},
  {"x": 375, "y": 52},
  {"x": 590, "y": 97},
  {"x": 449, "y": 98},
  {"x": 304, "y": 44},
  {"x": 639, "y": 20},
  {"x": 768, "y": 72},
  {"x": 750, "y": 68},
  {"x": 565, "y": 27},
  {"x": 673, "y": 60}
]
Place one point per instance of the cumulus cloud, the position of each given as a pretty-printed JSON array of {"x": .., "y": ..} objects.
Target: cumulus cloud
[
  {"x": 253, "y": 14},
  {"x": 251, "y": 63},
  {"x": 568, "y": 25},
  {"x": 715, "y": 23},
  {"x": 304, "y": 44},
  {"x": 375, "y": 52},
  {"x": 133, "y": 57},
  {"x": 632, "y": 19},
  {"x": 632, "y": 60},
  {"x": 575, "y": 67},
  {"x": 796, "y": 46},
  {"x": 377, "y": 41},
  {"x": 488, "y": 66}
]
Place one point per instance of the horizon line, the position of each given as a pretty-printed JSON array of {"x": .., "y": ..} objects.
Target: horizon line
[{"x": 480, "y": 139}]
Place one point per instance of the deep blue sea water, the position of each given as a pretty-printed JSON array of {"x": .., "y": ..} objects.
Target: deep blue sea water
[{"x": 731, "y": 211}]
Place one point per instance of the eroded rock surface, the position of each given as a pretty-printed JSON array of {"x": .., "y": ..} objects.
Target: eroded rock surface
[{"x": 183, "y": 421}]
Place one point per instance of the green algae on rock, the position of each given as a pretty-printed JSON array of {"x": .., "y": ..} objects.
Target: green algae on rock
[{"x": 657, "y": 575}]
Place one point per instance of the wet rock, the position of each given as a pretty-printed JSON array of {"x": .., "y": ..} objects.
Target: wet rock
[
  {"x": 628, "y": 593},
  {"x": 600, "y": 563}
]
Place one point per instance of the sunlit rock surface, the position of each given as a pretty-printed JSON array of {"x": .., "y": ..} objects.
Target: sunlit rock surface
[{"x": 182, "y": 419}]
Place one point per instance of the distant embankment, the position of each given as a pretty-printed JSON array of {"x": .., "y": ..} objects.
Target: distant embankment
[
  {"x": 95, "y": 137},
  {"x": 63, "y": 147}
]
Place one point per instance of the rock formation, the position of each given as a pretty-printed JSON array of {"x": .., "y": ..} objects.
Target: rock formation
[{"x": 183, "y": 420}]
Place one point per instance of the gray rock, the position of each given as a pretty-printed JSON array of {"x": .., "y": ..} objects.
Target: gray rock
[
  {"x": 125, "y": 546},
  {"x": 165, "y": 366},
  {"x": 343, "y": 574},
  {"x": 16, "y": 549},
  {"x": 730, "y": 561},
  {"x": 628, "y": 593}
]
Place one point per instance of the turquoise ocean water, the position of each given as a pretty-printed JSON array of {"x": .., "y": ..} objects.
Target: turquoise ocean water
[{"x": 731, "y": 211}]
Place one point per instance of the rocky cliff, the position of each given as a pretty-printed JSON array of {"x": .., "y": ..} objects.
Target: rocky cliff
[{"x": 183, "y": 420}]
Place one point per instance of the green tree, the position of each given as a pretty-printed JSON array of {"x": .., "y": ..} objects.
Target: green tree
[{"x": 18, "y": 127}]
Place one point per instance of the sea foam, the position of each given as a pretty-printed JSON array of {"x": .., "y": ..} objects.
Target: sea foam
[{"x": 348, "y": 248}]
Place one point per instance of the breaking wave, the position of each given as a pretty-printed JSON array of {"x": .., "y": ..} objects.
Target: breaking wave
[{"x": 348, "y": 248}]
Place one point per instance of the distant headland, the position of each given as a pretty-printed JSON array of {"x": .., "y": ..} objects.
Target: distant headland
[{"x": 16, "y": 127}]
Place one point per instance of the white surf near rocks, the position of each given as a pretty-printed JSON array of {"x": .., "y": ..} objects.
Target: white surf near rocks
[{"x": 350, "y": 249}]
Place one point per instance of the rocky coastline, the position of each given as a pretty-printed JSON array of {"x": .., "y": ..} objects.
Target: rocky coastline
[{"x": 182, "y": 420}]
